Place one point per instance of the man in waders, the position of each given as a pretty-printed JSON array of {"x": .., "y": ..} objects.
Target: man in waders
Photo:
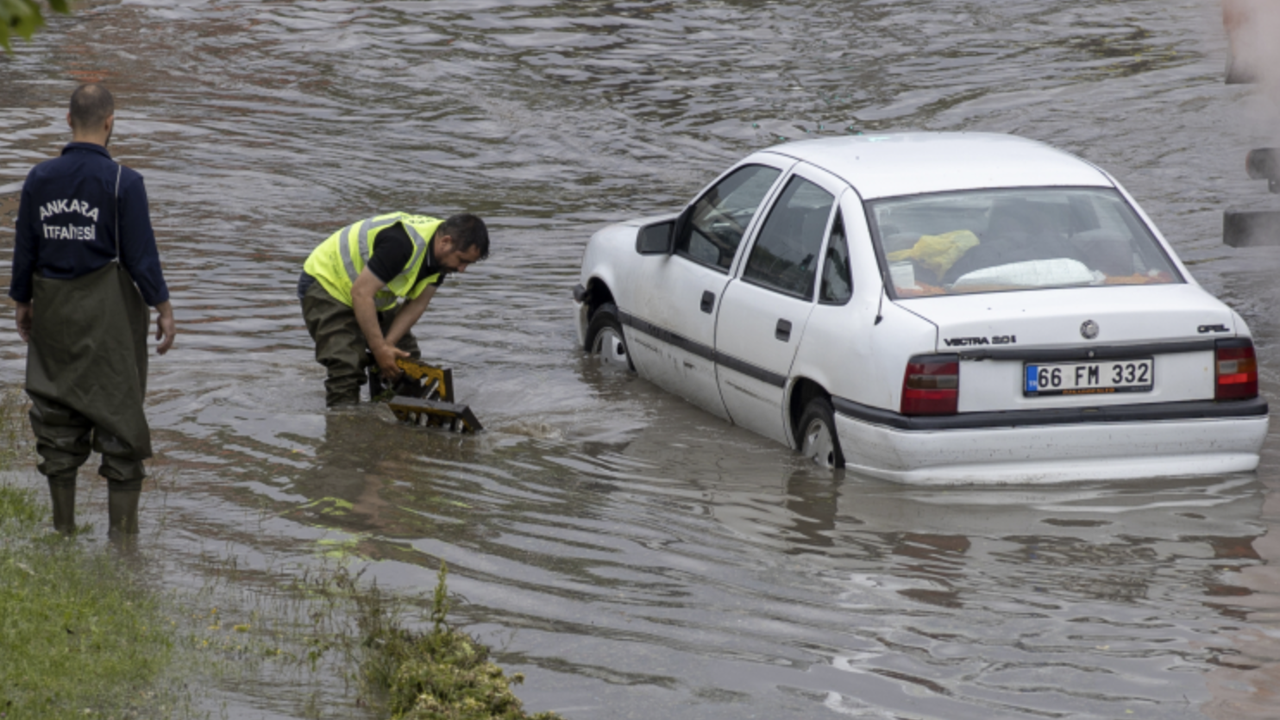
[
  {"x": 85, "y": 268},
  {"x": 363, "y": 289}
]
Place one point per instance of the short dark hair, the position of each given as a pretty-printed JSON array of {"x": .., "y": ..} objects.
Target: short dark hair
[
  {"x": 467, "y": 231},
  {"x": 91, "y": 105}
]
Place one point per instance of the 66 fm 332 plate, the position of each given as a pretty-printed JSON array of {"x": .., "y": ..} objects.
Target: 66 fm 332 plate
[{"x": 1088, "y": 378}]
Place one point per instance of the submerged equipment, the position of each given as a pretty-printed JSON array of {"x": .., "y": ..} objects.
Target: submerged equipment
[{"x": 423, "y": 395}]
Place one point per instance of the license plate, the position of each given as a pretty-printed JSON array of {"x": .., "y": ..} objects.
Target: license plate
[{"x": 1090, "y": 378}]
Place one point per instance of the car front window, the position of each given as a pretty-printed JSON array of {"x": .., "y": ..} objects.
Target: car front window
[
  {"x": 721, "y": 216},
  {"x": 1018, "y": 239}
]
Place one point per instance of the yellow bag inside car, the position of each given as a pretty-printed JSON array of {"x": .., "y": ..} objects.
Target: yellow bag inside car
[{"x": 938, "y": 252}]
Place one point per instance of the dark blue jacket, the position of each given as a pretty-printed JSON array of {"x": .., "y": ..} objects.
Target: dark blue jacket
[{"x": 67, "y": 219}]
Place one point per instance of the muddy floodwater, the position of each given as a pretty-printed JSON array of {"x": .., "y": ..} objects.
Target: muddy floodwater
[{"x": 635, "y": 557}]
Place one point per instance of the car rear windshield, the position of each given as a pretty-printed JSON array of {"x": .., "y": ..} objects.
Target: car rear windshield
[{"x": 1028, "y": 238}]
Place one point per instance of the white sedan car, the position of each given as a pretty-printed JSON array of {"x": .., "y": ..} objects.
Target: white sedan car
[{"x": 931, "y": 308}]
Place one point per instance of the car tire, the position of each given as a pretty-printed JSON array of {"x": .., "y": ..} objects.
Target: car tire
[
  {"x": 816, "y": 434},
  {"x": 605, "y": 339}
]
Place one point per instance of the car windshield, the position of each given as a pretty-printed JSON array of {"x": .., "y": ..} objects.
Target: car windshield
[{"x": 1026, "y": 238}]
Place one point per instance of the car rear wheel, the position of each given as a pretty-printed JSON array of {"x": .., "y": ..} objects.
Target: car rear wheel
[
  {"x": 605, "y": 339},
  {"x": 818, "y": 440}
]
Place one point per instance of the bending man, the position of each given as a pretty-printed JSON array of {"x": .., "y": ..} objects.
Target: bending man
[
  {"x": 85, "y": 267},
  {"x": 363, "y": 289}
]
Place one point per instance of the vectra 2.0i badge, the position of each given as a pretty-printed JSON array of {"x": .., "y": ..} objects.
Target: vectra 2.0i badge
[{"x": 931, "y": 308}]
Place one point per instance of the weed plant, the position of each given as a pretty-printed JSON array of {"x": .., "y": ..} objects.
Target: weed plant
[{"x": 437, "y": 674}]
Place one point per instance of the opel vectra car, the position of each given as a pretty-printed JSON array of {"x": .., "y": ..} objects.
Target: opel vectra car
[{"x": 931, "y": 308}]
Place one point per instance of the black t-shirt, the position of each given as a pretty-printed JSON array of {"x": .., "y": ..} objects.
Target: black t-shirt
[{"x": 392, "y": 252}]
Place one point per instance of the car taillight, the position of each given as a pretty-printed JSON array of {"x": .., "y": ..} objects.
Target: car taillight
[
  {"x": 931, "y": 385},
  {"x": 1236, "y": 370}
]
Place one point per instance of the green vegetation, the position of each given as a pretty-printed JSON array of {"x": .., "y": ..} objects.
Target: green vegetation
[
  {"x": 81, "y": 636},
  {"x": 437, "y": 673},
  {"x": 440, "y": 674},
  {"x": 24, "y": 17}
]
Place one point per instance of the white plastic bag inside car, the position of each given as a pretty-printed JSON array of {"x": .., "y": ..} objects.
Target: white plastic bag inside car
[{"x": 1029, "y": 273}]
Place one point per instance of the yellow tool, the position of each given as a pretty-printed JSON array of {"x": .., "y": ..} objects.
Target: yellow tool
[{"x": 424, "y": 396}]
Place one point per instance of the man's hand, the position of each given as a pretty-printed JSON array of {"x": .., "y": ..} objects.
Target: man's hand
[
  {"x": 362, "y": 304},
  {"x": 23, "y": 317},
  {"x": 166, "y": 328},
  {"x": 386, "y": 355}
]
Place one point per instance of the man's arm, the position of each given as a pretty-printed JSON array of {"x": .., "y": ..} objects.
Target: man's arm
[
  {"x": 25, "y": 247},
  {"x": 23, "y": 317},
  {"x": 138, "y": 252},
  {"x": 166, "y": 328},
  {"x": 140, "y": 256},
  {"x": 384, "y": 353},
  {"x": 409, "y": 315}
]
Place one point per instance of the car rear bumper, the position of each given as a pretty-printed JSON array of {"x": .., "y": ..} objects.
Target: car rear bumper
[{"x": 1141, "y": 443}]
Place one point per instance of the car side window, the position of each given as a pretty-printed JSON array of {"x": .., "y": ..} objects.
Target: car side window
[
  {"x": 837, "y": 278},
  {"x": 784, "y": 257},
  {"x": 721, "y": 216}
]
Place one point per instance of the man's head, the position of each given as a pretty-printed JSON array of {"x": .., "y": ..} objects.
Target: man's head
[
  {"x": 92, "y": 114},
  {"x": 460, "y": 241}
]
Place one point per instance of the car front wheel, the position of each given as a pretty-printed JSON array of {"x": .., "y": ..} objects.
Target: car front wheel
[
  {"x": 605, "y": 339},
  {"x": 818, "y": 439}
]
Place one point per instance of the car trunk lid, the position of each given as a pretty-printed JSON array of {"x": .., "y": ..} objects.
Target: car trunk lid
[{"x": 1088, "y": 335}]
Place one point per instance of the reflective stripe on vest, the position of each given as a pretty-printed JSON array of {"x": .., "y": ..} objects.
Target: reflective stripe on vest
[
  {"x": 364, "y": 231},
  {"x": 339, "y": 260}
]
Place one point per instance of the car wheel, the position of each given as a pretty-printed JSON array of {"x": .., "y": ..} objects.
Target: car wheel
[
  {"x": 605, "y": 339},
  {"x": 818, "y": 439}
]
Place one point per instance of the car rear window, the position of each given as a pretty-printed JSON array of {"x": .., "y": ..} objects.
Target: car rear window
[{"x": 1029, "y": 238}]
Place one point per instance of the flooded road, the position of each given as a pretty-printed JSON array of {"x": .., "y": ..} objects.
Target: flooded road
[{"x": 633, "y": 556}]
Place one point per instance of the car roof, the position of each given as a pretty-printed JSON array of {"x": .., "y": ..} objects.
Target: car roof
[{"x": 891, "y": 164}]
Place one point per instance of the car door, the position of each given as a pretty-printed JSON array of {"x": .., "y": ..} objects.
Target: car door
[
  {"x": 672, "y": 321},
  {"x": 765, "y": 308}
]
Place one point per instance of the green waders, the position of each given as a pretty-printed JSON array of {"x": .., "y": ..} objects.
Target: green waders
[
  {"x": 340, "y": 344},
  {"x": 87, "y": 378}
]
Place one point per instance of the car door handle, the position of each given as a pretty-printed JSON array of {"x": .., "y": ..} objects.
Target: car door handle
[
  {"x": 783, "y": 330},
  {"x": 708, "y": 301}
]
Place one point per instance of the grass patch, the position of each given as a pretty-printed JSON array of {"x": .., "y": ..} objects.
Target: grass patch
[{"x": 80, "y": 635}]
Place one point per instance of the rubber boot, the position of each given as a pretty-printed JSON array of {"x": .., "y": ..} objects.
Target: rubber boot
[
  {"x": 63, "y": 495},
  {"x": 122, "y": 511}
]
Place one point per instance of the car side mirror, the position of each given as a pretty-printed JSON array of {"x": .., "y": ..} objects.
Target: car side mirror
[{"x": 656, "y": 239}]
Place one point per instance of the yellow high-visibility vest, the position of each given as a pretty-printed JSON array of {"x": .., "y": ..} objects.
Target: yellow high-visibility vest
[{"x": 339, "y": 260}]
